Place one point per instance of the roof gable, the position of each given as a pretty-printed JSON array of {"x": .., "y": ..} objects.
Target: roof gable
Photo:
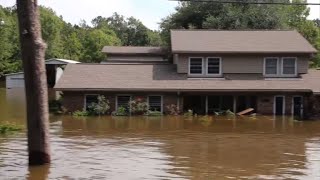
[{"x": 211, "y": 41}]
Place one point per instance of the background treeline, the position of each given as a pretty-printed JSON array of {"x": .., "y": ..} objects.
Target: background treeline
[
  {"x": 84, "y": 42},
  {"x": 78, "y": 42}
]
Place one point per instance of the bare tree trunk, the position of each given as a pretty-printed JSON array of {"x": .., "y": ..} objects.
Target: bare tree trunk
[{"x": 33, "y": 52}]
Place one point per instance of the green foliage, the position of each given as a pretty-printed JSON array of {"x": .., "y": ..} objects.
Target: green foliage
[
  {"x": 78, "y": 42},
  {"x": 173, "y": 109},
  {"x": 99, "y": 108},
  {"x": 154, "y": 113},
  {"x": 224, "y": 113},
  {"x": 122, "y": 111},
  {"x": 80, "y": 113},
  {"x": 138, "y": 106},
  {"x": 189, "y": 113},
  {"x": 8, "y": 127}
]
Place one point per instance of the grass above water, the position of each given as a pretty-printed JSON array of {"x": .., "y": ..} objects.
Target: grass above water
[{"x": 6, "y": 128}]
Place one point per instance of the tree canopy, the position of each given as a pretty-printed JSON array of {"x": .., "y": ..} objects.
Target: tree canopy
[{"x": 78, "y": 42}]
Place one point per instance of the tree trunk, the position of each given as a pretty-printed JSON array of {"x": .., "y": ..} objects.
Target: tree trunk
[{"x": 33, "y": 51}]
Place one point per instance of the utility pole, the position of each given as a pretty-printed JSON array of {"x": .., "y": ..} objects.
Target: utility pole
[{"x": 33, "y": 52}]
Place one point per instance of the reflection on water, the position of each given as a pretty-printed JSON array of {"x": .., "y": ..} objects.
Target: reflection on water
[{"x": 167, "y": 148}]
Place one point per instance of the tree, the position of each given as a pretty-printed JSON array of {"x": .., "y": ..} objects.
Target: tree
[{"x": 33, "y": 53}]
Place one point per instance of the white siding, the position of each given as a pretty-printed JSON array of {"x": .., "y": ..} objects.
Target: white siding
[{"x": 15, "y": 80}]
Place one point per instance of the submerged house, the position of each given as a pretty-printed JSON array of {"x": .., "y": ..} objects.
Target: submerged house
[{"x": 210, "y": 71}]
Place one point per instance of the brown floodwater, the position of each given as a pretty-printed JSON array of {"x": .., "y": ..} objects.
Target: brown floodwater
[{"x": 261, "y": 147}]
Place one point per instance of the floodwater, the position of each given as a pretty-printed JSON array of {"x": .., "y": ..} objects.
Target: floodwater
[{"x": 164, "y": 147}]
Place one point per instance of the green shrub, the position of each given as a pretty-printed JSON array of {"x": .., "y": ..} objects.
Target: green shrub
[
  {"x": 8, "y": 127},
  {"x": 99, "y": 108},
  {"x": 80, "y": 113},
  {"x": 122, "y": 111},
  {"x": 154, "y": 113},
  {"x": 189, "y": 113},
  {"x": 138, "y": 107}
]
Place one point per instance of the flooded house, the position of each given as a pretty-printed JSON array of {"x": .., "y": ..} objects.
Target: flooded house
[{"x": 207, "y": 71}]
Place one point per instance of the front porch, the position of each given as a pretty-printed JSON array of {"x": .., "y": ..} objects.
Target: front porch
[{"x": 209, "y": 104}]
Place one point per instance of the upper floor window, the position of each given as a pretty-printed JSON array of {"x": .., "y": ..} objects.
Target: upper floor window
[
  {"x": 286, "y": 66},
  {"x": 196, "y": 65},
  {"x": 271, "y": 66},
  {"x": 289, "y": 66},
  {"x": 214, "y": 65}
]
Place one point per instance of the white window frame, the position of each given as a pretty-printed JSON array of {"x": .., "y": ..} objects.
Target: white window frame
[
  {"x": 292, "y": 105},
  {"x": 189, "y": 67},
  {"x": 207, "y": 66},
  {"x": 85, "y": 100},
  {"x": 161, "y": 100},
  {"x": 283, "y": 105},
  {"x": 264, "y": 67},
  {"x": 123, "y": 95},
  {"x": 295, "y": 68}
]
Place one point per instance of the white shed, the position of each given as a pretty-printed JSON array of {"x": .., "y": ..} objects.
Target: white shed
[
  {"x": 54, "y": 72},
  {"x": 15, "y": 80}
]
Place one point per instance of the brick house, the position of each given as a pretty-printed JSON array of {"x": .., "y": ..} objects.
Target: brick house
[{"x": 210, "y": 71}]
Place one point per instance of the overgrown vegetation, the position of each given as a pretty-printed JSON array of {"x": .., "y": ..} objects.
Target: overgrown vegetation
[
  {"x": 173, "y": 110},
  {"x": 9, "y": 127},
  {"x": 121, "y": 111},
  {"x": 99, "y": 108},
  {"x": 80, "y": 113},
  {"x": 78, "y": 42},
  {"x": 153, "y": 113},
  {"x": 138, "y": 106}
]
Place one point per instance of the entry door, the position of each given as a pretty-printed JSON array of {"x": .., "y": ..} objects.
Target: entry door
[
  {"x": 298, "y": 106},
  {"x": 279, "y": 105}
]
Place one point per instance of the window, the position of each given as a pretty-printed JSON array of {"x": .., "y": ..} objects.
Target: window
[
  {"x": 213, "y": 66},
  {"x": 89, "y": 99},
  {"x": 271, "y": 66},
  {"x": 155, "y": 103},
  {"x": 288, "y": 66},
  {"x": 123, "y": 101},
  {"x": 196, "y": 66}
]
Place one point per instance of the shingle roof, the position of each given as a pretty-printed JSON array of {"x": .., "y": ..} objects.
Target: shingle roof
[
  {"x": 209, "y": 41},
  {"x": 133, "y": 50},
  {"x": 160, "y": 77}
]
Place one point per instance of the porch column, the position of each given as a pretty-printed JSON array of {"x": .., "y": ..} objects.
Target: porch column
[
  {"x": 235, "y": 104},
  {"x": 206, "y": 105}
]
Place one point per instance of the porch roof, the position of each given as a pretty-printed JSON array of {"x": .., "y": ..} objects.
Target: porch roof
[{"x": 163, "y": 77}]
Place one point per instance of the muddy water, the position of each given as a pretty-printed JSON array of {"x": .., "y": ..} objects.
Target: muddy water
[{"x": 164, "y": 147}]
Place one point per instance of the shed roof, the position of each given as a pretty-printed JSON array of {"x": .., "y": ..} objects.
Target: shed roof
[
  {"x": 265, "y": 41},
  {"x": 163, "y": 77},
  {"x": 61, "y": 61},
  {"x": 133, "y": 50}
]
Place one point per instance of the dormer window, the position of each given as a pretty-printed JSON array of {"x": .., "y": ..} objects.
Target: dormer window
[
  {"x": 271, "y": 66},
  {"x": 284, "y": 67},
  {"x": 196, "y": 66},
  {"x": 289, "y": 66},
  {"x": 214, "y": 66}
]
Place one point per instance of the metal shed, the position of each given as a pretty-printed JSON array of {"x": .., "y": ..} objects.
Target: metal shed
[{"x": 54, "y": 69}]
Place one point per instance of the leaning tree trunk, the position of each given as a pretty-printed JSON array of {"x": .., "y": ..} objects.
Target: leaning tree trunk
[{"x": 33, "y": 51}]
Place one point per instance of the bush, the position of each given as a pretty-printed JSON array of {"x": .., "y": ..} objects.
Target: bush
[
  {"x": 153, "y": 113},
  {"x": 189, "y": 113},
  {"x": 122, "y": 111},
  {"x": 7, "y": 127},
  {"x": 99, "y": 108},
  {"x": 173, "y": 109},
  {"x": 80, "y": 113},
  {"x": 138, "y": 107}
]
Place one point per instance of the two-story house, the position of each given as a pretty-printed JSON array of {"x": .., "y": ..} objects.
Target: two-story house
[{"x": 210, "y": 71}]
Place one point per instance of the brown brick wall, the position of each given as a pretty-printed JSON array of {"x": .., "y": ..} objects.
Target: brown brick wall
[
  {"x": 73, "y": 101},
  {"x": 265, "y": 102}
]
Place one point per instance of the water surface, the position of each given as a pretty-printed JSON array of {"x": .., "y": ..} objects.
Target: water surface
[{"x": 164, "y": 147}]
